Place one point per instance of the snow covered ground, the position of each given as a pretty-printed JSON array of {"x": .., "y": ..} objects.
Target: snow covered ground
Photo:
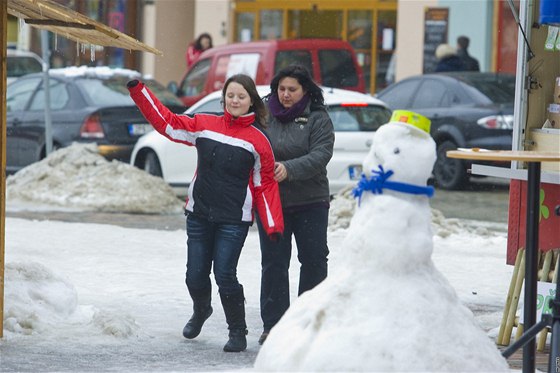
[{"x": 95, "y": 297}]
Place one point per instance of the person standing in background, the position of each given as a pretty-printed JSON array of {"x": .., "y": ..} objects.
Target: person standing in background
[
  {"x": 470, "y": 63},
  {"x": 202, "y": 43},
  {"x": 302, "y": 137},
  {"x": 235, "y": 175},
  {"x": 448, "y": 59}
]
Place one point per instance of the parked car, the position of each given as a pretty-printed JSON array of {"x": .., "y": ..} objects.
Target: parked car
[
  {"x": 332, "y": 63},
  {"x": 354, "y": 116},
  {"x": 21, "y": 63},
  {"x": 87, "y": 105},
  {"x": 467, "y": 110}
]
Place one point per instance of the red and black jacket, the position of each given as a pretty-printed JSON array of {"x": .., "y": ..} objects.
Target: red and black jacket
[{"x": 235, "y": 168}]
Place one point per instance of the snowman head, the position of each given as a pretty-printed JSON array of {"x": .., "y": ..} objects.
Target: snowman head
[{"x": 405, "y": 147}]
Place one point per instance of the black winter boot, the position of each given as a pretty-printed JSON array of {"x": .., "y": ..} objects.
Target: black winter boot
[
  {"x": 234, "y": 308},
  {"x": 202, "y": 309}
]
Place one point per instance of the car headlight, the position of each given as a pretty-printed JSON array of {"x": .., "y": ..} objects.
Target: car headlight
[{"x": 501, "y": 122}]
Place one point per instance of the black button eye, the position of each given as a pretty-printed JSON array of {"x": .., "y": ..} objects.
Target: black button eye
[{"x": 396, "y": 150}]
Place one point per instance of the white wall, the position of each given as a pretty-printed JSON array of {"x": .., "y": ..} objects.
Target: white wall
[
  {"x": 410, "y": 36},
  {"x": 212, "y": 16}
]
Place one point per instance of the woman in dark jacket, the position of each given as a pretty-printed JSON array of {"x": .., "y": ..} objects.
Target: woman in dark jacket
[
  {"x": 302, "y": 137},
  {"x": 448, "y": 60},
  {"x": 235, "y": 173}
]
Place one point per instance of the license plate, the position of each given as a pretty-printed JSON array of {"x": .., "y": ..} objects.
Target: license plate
[
  {"x": 139, "y": 129},
  {"x": 355, "y": 172}
]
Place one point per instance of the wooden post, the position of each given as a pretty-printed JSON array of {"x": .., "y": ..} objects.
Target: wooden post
[
  {"x": 3, "y": 43},
  {"x": 541, "y": 340},
  {"x": 511, "y": 296}
]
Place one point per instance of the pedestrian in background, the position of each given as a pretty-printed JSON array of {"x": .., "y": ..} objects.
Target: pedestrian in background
[
  {"x": 235, "y": 173},
  {"x": 302, "y": 137},
  {"x": 202, "y": 43},
  {"x": 470, "y": 63},
  {"x": 448, "y": 59}
]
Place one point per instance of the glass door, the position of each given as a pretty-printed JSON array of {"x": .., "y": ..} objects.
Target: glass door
[
  {"x": 385, "y": 49},
  {"x": 360, "y": 35}
]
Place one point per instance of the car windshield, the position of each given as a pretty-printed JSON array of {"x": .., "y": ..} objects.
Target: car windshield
[
  {"x": 21, "y": 65},
  {"x": 498, "y": 89},
  {"x": 358, "y": 117},
  {"x": 113, "y": 91}
]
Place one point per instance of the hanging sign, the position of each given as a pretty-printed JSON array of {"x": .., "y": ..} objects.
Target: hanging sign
[{"x": 436, "y": 21}]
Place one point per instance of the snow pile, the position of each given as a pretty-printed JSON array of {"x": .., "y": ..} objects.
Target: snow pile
[
  {"x": 343, "y": 207},
  {"x": 78, "y": 177},
  {"x": 36, "y": 298},
  {"x": 387, "y": 308},
  {"x": 115, "y": 324}
]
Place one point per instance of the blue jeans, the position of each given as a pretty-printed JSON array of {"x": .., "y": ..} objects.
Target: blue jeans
[
  {"x": 219, "y": 243},
  {"x": 309, "y": 228}
]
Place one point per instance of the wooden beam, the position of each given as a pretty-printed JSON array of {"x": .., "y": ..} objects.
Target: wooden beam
[
  {"x": 51, "y": 22},
  {"x": 56, "y": 18},
  {"x": 3, "y": 42}
]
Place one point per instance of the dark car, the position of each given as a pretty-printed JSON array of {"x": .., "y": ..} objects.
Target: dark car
[
  {"x": 87, "y": 105},
  {"x": 467, "y": 110}
]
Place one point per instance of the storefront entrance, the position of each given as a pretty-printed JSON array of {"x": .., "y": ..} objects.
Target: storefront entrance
[{"x": 369, "y": 26}]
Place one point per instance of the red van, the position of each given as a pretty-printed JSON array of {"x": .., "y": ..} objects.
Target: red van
[{"x": 332, "y": 63}]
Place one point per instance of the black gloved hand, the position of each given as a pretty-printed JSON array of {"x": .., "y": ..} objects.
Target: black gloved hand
[
  {"x": 132, "y": 83},
  {"x": 275, "y": 237}
]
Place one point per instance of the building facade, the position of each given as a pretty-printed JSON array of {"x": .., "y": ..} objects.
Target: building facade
[{"x": 379, "y": 31}]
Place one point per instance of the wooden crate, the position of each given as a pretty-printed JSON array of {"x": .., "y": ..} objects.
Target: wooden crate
[{"x": 547, "y": 140}]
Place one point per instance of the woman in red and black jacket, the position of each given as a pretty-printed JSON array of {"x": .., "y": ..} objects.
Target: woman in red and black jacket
[{"x": 235, "y": 172}]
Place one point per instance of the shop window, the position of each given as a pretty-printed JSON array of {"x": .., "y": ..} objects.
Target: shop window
[
  {"x": 314, "y": 24},
  {"x": 386, "y": 43},
  {"x": 270, "y": 24},
  {"x": 245, "y": 24},
  {"x": 360, "y": 35}
]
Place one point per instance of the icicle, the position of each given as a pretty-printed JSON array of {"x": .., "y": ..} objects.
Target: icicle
[
  {"x": 77, "y": 48},
  {"x": 83, "y": 49},
  {"x": 21, "y": 24},
  {"x": 92, "y": 53},
  {"x": 55, "y": 41}
]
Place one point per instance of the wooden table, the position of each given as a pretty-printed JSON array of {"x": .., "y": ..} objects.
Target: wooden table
[{"x": 533, "y": 159}]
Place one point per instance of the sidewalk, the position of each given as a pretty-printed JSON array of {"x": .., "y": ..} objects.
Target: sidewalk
[{"x": 541, "y": 359}]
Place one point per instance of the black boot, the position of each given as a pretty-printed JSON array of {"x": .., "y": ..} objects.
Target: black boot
[
  {"x": 202, "y": 309},
  {"x": 234, "y": 308}
]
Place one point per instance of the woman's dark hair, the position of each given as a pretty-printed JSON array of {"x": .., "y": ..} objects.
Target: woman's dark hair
[
  {"x": 258, "y": 106},
  {"x": 198, "y": 44},
  {"x": 302, "y": 75}
]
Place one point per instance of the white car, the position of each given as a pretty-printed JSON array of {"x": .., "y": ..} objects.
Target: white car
[
  {"x": 21, "y": 63},
  {"x": 354, "y": 115}
]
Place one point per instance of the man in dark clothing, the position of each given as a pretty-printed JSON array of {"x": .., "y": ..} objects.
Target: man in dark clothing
[{"x": 470, "y": 63}]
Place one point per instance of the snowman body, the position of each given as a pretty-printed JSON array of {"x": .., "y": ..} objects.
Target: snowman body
[{"x": 387, "y": 308}]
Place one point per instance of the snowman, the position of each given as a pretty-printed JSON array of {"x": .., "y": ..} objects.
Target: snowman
[{"x": 386, "y": 307}]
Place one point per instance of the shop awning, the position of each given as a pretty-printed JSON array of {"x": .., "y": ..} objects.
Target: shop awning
[{"x": 58, "y": 19}]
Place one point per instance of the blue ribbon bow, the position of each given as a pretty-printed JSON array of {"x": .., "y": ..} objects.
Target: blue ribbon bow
[{"x": 379, "y": 181}]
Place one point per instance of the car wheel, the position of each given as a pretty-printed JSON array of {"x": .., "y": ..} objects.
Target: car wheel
[
  {"x": 449, "y": 173},
  {"x": 151, "y": 164}
]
